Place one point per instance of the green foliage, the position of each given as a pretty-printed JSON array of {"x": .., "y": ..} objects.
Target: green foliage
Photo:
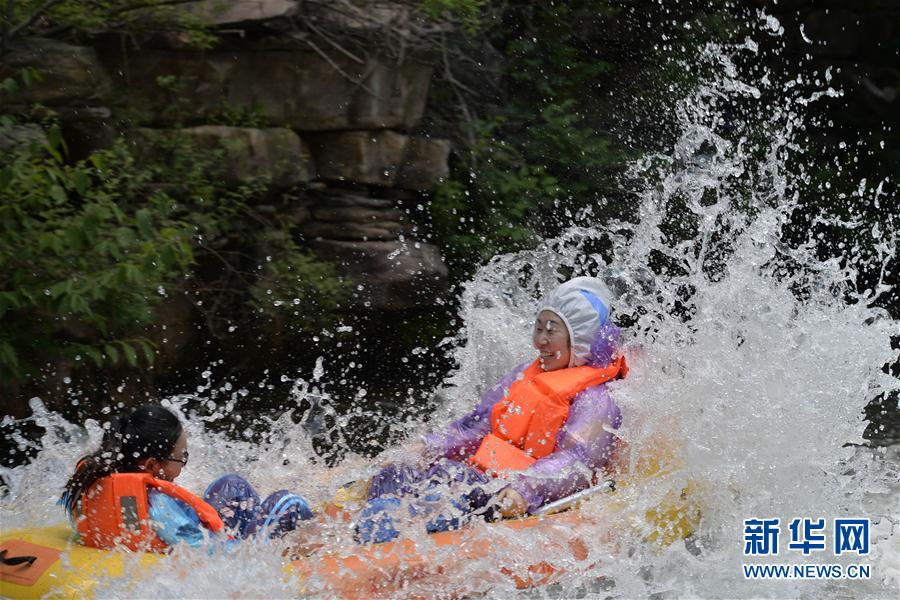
[
  {"x": 468, "y": 13},
  {"x": 55, "y": 18},
  {"x": 238, "y": 116},
  {"x": 525, "y": 171},
  {"x": 11, "y": 86},
  {"x": 77, "y": 265},
  {"x": 295, "y": 291},
  {"x": 89, "y": 250},
  {"x": 523, "y": 180},
  {"x": 587, "y": 91},
  {"x": 279, "y": 277},
  {"x": 485, "y": 214}
]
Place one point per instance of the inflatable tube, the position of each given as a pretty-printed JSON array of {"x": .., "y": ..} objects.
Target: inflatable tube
[
  {"x": 491, "y": 553},
  {"x": 65, "y": 569},
  {"x": 488, "y": 553},
  {"x": 48, "y": 562},
  {"x": 62, "y": 568}
]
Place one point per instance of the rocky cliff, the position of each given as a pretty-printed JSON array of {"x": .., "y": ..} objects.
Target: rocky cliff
[
  {"x": 321, "y": 101},
  {"x": 345, "y": 128}
]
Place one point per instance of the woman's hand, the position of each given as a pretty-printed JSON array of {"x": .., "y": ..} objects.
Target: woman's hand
[{"x": 511, "y": 503}]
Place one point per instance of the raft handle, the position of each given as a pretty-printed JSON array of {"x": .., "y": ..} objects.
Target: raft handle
[{"x": 13, "y": 561}]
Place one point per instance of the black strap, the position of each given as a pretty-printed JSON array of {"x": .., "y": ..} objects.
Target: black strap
[{"x": 13, "y": 561}]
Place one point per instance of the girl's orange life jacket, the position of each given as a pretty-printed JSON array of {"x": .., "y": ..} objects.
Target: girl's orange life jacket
[
  {"x": 524, "y": 425},
  {"x": 115, "y": 511}
]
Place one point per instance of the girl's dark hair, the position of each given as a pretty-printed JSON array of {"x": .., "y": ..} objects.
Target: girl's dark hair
[{"x": 145, "y": 432}]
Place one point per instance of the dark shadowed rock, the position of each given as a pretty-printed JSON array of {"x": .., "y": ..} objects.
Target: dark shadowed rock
[
  {"x": 356, "y": 214},
  {"x": 385, "y": 158},
  {"x": 173, "y": 330},
  {"x": 293, "y": 88},
  {"x": 394, "y": 275},
  {"x": 333, "y": 199},
  {"x": 425, "y": 164},
  {"x": 66, "y": 73},
  {"x": 371, "y": 157},
  {"x": 87, "y": 129},
  {"x": 275, "y": 153},
  {"x": 378, "y": 230}
]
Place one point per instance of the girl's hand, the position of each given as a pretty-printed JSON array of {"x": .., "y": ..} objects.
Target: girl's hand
[
  {"x": 511, "y": 503},
  {"x": 303, "y": 541}
]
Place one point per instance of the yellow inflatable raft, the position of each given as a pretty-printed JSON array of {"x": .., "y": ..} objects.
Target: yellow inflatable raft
[{"x": 48, "y": 562}]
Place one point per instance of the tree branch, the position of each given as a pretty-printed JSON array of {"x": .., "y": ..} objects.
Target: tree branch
[
  {"x": 24, "y": 25},
  {"x": 337, "y": 68}
]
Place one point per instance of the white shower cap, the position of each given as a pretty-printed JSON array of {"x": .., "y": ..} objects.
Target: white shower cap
[{"x": 583, "y": 304}]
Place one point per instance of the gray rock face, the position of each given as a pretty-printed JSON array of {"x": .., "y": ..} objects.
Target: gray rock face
[
  {"x": 371, "y": 157},
  {"x": 274, "y": 153},
  {"x": 425, "y": 165},
  {"x": 330, "y": 123},
  {"x": 356, "y": 214},
  {"x": 236, "y": 12},
  {"x": 394, "y": 275},
  {"x": 291, "y": 88},
  {"x": 343, "y": 198},
  {"x": 352, "y": 217},
  {"x": 367, "y": 238},
  {"x": 365, "y": 19},
  {"x": 66, "y": 72},
  {"x": 383, "y": 158},
  {"x": 376, "y": 231},
  {"x": 368, "y": 19}
]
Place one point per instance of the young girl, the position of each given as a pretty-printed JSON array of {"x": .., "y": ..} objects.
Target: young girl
[
  {"x": 546, "y": 427},
  {"x": 123, "y": 494}
]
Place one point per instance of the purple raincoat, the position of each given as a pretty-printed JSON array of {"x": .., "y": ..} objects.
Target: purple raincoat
[{"x": 584, "y": 444}]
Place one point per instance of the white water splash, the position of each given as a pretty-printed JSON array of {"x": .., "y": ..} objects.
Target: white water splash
[{"x": 750, "y": 357}]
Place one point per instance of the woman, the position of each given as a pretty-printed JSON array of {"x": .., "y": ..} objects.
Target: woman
[
  {"x": 546, "y": 427},
  {"x": 124, "y": 493}
]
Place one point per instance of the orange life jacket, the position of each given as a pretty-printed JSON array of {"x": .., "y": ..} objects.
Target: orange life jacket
[
  {"x": 115, "y": 511},
  {"x": 525, "y": 424}
]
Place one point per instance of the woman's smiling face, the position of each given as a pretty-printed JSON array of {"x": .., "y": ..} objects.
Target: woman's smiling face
[{"x": 551, "y": 339}]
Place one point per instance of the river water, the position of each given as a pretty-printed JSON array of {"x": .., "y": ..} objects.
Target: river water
[{"x": 752, "y": 359}]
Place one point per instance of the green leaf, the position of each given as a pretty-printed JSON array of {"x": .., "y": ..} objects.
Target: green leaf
[
  {"x": 10, "y": 85},
  {"x": 148, "y": 350},
  {"x": 144, "y": 222},
  {"x": 130, "y": 354},
  {"x": 124, "y": 236},
  {"x": 58, "y": 194},
  {"x": 8, "y": 356},
  {"x": 73, "y": 238},
  {"x": 80, "y": 304},
  {"x": 6, "y": 177},
  {"x": 81, "y": 181},
  {"x": 111, "y": 352},
  {"x": 55, "y": 137},
  {"x": 60, "y": 288},
  {"x": 95, "y": 355},
  {"x": 167, "y": 256}
]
